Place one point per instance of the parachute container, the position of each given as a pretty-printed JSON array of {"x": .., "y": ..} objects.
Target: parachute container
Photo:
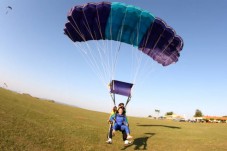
[{"x": 121, "y": 88}]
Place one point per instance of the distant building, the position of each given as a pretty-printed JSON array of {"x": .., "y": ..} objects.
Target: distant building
[
  {"x": 215, "y": 119},
  {"x": 211, "y": 119},
  {"x": 198, "y": 119},
  {"x": 173, "y": 117}
]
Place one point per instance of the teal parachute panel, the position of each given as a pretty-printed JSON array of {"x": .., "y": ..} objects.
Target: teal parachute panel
[
  {"x": 127, "y": 23},
  {"x": 146, "y": 19},
  {"x": 114, "y": 22}
]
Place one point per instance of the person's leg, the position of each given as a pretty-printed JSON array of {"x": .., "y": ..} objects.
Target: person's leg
[
  {"x": 124, "y": 135},
  {"x": 124, "y": 127},
  {"x": 109, "y": 135},
  {"x": 115, "y": 128},
  {"x": 110, "y": 131}
]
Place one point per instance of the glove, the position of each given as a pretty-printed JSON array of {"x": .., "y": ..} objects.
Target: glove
[{"x": 109, "y": 122}]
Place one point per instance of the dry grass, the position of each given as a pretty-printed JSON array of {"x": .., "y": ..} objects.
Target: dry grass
[{"x": 28, "y": 123}]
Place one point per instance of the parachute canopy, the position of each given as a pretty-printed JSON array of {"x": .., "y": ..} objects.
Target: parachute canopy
[
  {"x": 8, "y": 8},
  {"x": 116, "y": 22},
  {"x": 125, "y": 23},
  {"x": 122, "y": 88}
]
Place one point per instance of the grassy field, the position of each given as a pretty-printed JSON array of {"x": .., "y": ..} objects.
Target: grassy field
[{"x": 32, "y": 124}]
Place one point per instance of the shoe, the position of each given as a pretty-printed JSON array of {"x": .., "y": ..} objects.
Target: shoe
[
  {"x": 109, "y": 141},
  {"x": 127, "y": 142},
  {"x": 129, "y": 137}
]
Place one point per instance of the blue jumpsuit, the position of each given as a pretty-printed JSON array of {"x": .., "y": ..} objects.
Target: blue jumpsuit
[{"x": 120, "y": 123}]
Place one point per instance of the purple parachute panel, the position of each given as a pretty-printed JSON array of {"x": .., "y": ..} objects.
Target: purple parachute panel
[
  {"x": 87, "y": 22},
  {"x": 161, "y": 43},
  {"x": 121, "y": 88}
]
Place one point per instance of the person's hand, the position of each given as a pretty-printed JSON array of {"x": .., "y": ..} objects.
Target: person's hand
[{"x": 109, "y": 122}]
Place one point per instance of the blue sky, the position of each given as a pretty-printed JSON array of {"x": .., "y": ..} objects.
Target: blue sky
[{"x": 37, "y": 58}]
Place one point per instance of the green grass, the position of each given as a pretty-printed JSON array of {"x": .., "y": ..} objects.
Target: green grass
[{"x": 28, "y": 123}]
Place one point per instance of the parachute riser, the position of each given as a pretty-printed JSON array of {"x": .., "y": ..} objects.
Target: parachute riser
[
  {"x": 128, "y": 100},
  {"x": 113, "y": 98}
]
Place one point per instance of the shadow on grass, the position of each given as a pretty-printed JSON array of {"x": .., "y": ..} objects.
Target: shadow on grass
[
  {"x": 150, "y": 125},
  {"x": 140, "y": 143}
]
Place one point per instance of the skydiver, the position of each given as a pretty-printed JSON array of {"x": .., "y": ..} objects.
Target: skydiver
[
  {"x": 120, "y": 123},
  {"x": 8, "y": 8},
  {"x": 112, "y": 118}
]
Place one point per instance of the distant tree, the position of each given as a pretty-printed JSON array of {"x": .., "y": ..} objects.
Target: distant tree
[
  {"x": 198, "y": 113},
  {"x": 157, "y": 111},
  {"x": 169, "y": 113},
  {"x": 149, "y": 116}
]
